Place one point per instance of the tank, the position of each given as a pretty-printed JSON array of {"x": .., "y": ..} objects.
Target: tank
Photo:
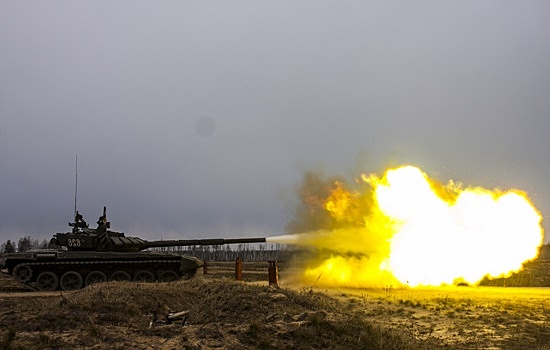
[{"x": 85, "y": 256}]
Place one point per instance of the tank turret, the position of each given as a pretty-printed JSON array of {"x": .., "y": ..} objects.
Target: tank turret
[
  {"x": 101, "y": 239},
  {"x": 87, "y": 256}
]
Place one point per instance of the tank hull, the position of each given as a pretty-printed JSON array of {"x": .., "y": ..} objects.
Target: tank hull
[
  {"x": 68, "y": 270},
  {"x": 85, "y": 256}
]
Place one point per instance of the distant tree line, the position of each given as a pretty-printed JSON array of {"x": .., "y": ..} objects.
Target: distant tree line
[
  {"x": 24, "y": 244},
  {"x": 545, "y": 252},
  {"x": 247, "y": 252}
]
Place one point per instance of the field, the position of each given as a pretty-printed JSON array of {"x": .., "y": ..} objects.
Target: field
[{"x": 221, "y": 313}]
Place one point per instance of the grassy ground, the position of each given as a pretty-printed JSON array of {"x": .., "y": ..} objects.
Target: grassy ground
[{"x": 224, "y": 314}]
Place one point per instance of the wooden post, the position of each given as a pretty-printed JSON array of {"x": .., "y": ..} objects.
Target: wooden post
[
  {"x": 273, "y": 273},
  {"x": 205, "y": 268},
  {"x": 238, "y": 269}
]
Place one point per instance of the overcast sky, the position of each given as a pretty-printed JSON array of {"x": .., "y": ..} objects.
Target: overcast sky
[{"x": 199, "y": 118}]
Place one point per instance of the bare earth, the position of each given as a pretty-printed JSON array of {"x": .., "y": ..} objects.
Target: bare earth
[{"x": 224, "y": 314}]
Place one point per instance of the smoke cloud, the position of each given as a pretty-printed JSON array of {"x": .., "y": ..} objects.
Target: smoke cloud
[{"x": 406, "y": 229}]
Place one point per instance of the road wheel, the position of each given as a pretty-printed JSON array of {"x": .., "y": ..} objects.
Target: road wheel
[
  {"x": 120, "y": 276},
  {"x": 71, "y": 280},
  {"x": 168, "y": 276},
  {"x": 47, "y": 281},
  {"x": 22, "y": 273},
  {"x": 95, "y": 277},
  {"x": 144, "y": 276}
]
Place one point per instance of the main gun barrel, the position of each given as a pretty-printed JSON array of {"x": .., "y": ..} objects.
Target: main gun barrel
[{"x": 211, "y": 241}]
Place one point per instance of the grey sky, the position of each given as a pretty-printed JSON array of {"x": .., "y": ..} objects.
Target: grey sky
[{"x": 199, "y": 118}]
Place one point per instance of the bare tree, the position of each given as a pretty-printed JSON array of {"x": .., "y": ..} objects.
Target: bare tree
[{"x": 24, "y": 244}]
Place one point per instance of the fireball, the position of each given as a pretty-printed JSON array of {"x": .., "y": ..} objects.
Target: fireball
[
  {"x": 405, "y": 228},
  {"x": 466, "y": 236}
]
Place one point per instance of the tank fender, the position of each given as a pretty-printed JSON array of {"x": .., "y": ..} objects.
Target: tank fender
[{"x": 189, "y": 262}]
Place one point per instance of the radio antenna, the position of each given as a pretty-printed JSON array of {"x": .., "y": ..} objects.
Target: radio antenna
[{"x": 75, "y": 184}]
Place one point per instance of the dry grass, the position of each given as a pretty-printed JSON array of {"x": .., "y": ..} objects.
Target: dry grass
[{"x": 225, "y": 314}]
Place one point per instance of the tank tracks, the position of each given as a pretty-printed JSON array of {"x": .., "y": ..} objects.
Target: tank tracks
[{"x": 72, "y": 275}]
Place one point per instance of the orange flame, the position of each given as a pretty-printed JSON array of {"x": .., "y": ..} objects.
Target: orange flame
[{"x": 419, "y": 232}]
